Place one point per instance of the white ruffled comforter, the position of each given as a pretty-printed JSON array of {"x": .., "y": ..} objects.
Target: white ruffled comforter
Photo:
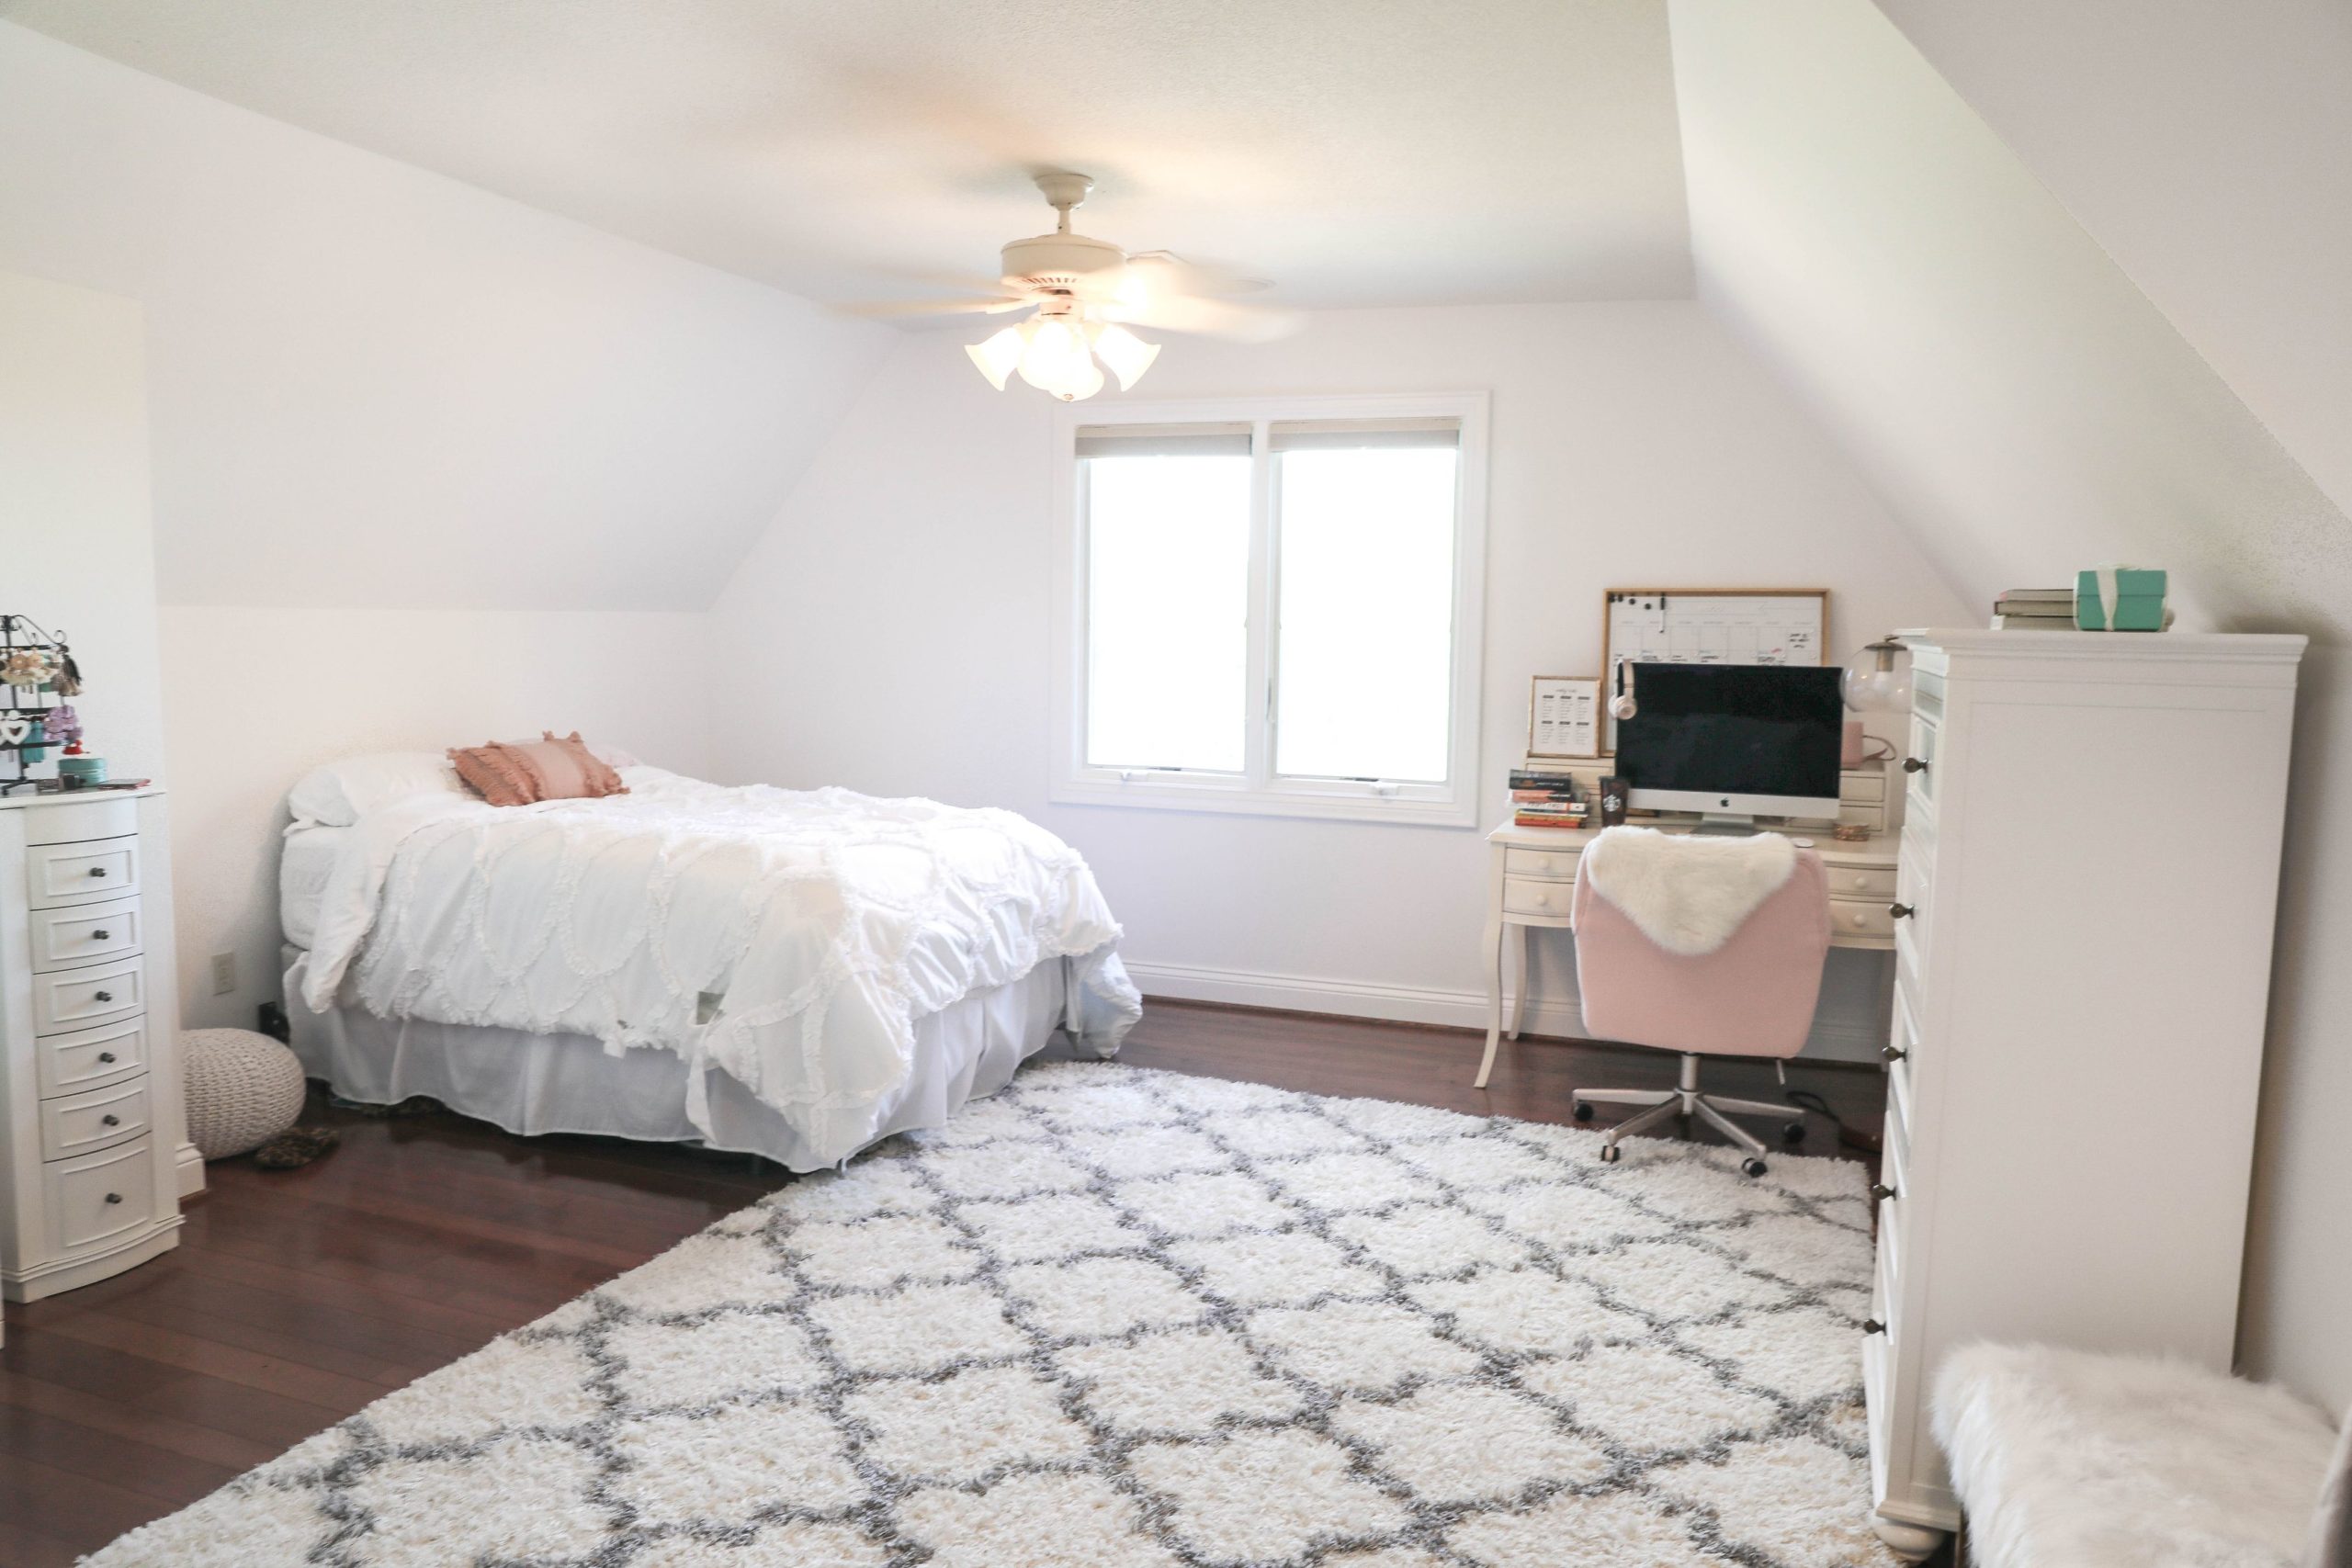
[{"x": 790, "y": 938}]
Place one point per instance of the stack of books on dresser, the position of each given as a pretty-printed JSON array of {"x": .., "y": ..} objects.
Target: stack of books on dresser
[
  {"x": 2035, "y": 610},
  {"x": 1541, "y": 797}
]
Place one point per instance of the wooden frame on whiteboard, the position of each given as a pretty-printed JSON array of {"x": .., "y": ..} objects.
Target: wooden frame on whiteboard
[
  {"x": 1609, "y": 596},
  {"x": 1534, "y": 701}
]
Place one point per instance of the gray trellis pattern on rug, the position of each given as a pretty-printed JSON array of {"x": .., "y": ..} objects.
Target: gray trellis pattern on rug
[{"x": 1118, "y": 1318}]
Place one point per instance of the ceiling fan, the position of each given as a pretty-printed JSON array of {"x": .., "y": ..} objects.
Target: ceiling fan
[{"x": 1087, "y": 293}]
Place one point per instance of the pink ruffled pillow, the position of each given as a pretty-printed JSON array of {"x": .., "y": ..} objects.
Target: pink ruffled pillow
[{"x": 553, "y": 767}]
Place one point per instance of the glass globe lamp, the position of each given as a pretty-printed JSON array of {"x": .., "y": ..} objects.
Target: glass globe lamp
[{"x": 1878, "y": 678}]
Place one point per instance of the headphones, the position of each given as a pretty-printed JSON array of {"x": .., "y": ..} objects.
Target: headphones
[{"x": 1623, "y": 706}]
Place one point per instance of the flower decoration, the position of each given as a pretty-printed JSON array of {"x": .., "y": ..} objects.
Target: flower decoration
[{"x": 29, "y": 667}]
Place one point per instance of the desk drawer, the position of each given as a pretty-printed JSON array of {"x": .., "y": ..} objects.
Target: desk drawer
[
  {"x": 84, "y": 933},
  {"x": 1869, "y": 918},
  {"x": 1522, "y": 896},
  {"x": 81, "y": 1123},
  {"x": 80, "y": 998},
  {"x": 1561, "y": 863},
  {"x": 84, "y": 872},
  {"x": 96, "y": 1197},
  {"x": 91, "y": 1058},
  {"x": 1861, "y": 881}
]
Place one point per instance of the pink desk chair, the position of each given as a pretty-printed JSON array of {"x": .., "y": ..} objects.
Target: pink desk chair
[{"x": 1751, "y": 996}]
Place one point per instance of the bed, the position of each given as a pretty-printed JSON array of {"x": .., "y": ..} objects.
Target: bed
[{"x": 795, "y": 973}]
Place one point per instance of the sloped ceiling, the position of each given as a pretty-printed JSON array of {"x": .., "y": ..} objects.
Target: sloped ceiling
[
  {"x": 2021, "y": 402},
  {"x": 1354, "y": 152},
  {"x": 2208, "y": 148},
  {"x": 369, "y": 385}
]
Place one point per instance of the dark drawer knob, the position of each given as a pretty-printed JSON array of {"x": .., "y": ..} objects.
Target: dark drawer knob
[
  {"x": 102, "y": 996},
  {"x": 114, "y": 1197},
  {"x": 102, "y": 934},
  {"x": 1894, "y": 1053},
  {"x": 1900, "y": 911},
  {"x": 97, "y": 871},
  {"x": 105, "y": 1055},
  {"x": 1914, "y": 765},
  {"x": 1872, "y": 1325},
  {"x": 109, "y": 1120},
  {"x": 1881, "y": 1191}
]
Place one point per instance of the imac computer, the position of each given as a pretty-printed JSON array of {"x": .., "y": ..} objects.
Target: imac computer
[{"x": 1734, "y": 742}]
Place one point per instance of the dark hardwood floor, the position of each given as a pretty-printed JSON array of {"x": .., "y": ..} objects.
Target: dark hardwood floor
[{"x": 297, "y": 1297}]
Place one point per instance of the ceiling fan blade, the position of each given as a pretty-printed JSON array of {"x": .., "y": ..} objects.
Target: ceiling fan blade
[
  {"x": 887, "y": 307},
  {"x": 1211, "y": 317}
]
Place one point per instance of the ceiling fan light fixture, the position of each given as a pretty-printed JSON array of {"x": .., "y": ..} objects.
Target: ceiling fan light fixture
[
  {"x": 1056, "y": 360},
  {"x": 999, "y": 356},
  {"x": 1126, "y": 356}
]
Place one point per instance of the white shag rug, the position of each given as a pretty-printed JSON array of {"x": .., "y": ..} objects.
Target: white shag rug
[{"x": 1117, "y": 1318}]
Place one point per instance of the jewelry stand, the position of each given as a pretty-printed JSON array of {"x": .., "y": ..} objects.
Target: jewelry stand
[{"x": 19, "y": 634}]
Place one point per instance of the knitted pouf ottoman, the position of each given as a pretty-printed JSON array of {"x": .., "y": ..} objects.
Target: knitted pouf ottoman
[{"x": 242, "y": 1090}]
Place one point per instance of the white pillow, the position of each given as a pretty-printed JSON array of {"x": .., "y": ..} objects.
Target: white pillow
[{"x": 337, "y": 794}]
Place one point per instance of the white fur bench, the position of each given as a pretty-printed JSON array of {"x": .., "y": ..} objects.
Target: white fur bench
[{"x": 2064, "y": 1458}]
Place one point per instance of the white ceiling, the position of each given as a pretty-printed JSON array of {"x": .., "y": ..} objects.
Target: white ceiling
[{"x": 1354, "y": 152}]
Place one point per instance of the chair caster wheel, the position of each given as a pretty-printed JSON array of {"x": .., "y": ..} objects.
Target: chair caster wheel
[
  {"x": 1581, "y": 1110},
  {"x": 1793, "y": 1133},
  {"x": 1752, "y": 1165},
  {"x": 1609, "y": 1153}
]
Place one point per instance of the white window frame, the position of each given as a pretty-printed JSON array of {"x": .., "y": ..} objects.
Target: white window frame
[{"x": 1256, "y": 790}]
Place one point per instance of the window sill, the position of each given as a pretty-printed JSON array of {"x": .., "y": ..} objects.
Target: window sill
[{"x": 1162, "y": 794}]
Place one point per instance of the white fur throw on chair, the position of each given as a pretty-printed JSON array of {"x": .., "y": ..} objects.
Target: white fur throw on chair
[
  {"x": 2087, "y": 1461},
  {"x": 1686, "y": 892}
]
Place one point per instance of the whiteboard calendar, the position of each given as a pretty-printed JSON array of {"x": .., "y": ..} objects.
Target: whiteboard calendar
[{"x": 1666, "y": 625}]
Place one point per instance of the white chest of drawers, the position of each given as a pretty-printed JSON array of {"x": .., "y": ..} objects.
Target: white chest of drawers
[
  {"x": 90, "y": 1114},
  {"x": 2088, "y": 875}
]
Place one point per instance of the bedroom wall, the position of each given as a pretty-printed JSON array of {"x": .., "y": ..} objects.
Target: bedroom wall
[
  {"x": 889, "y": 631},
  {"x": 79, "y": 556},
  {"x": 428, "y": 466},
  {"x": 2027, "y": 410}
]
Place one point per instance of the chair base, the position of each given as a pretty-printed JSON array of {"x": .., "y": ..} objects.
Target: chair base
[{"x": 1715, "y": 1110}]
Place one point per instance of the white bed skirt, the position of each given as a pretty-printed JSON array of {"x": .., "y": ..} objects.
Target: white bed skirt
[{"x": 567, "y": 1083}]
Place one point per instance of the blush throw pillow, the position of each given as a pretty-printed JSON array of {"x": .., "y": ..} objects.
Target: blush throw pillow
[{"x": 522, "y": 773}]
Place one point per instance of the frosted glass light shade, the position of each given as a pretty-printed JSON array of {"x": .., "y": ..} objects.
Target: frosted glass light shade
[
  {"x": 1878, "y": 678},
  {"x": 1127, "y": 356},
  {"x": 997, "y": 356},
  {"x": 1056, "y": 360}
]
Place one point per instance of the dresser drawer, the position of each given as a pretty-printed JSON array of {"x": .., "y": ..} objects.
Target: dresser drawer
[
  {"x": 1918, "y": 765},
  {"x": 84, "y": 933},
  {"x": 62, "y": 821},
  {"x": 84, "y": 872},
  {"x": 79, "y": 999},
  {"x": 91, "y": 1058},
  {"x": 79, "y": 1123},
  {"x": 1851, "y": 918},
  {"x": 1561, "y": 863},
  {"x": 94, "y": 1198},
  {"x": 1523, "y": 896}
]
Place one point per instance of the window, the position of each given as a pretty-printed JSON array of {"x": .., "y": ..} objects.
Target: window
[{"x": 1272, "y": 607}]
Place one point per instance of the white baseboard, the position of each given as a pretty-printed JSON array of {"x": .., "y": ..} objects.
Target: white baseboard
[
  {"x": 191, "y": 1170},
  {"x": 1832, "y": 1039}
]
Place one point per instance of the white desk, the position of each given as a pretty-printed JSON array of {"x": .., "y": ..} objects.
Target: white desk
[{"x": 1531, "y": 878}]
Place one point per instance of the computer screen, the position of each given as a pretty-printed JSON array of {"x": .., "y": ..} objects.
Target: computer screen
[{"x": 1771, "y": 733}]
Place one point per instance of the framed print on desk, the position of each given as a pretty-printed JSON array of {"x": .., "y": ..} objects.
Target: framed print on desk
[{"x": 1564, "y": 717}]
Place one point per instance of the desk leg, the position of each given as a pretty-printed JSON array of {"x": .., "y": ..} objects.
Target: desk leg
[
  {"x": 1526, "y": 978},
  {"x": 1494, "y": 958}
]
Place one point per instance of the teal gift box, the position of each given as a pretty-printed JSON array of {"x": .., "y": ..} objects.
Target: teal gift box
[{"x": 2139, "y": 602}]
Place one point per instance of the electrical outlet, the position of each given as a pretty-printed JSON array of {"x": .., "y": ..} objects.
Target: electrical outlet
[{"x": 224, "y": 974}]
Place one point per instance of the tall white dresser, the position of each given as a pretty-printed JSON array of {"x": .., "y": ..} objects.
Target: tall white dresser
[
  {"x": 91, "y": 1120},
  {"x": 2085, "y": 895}
]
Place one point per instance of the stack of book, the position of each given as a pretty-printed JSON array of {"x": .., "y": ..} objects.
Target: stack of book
[
  {"x": 2035, "y": 610},
  {"x": 1542, "y": 798}
]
